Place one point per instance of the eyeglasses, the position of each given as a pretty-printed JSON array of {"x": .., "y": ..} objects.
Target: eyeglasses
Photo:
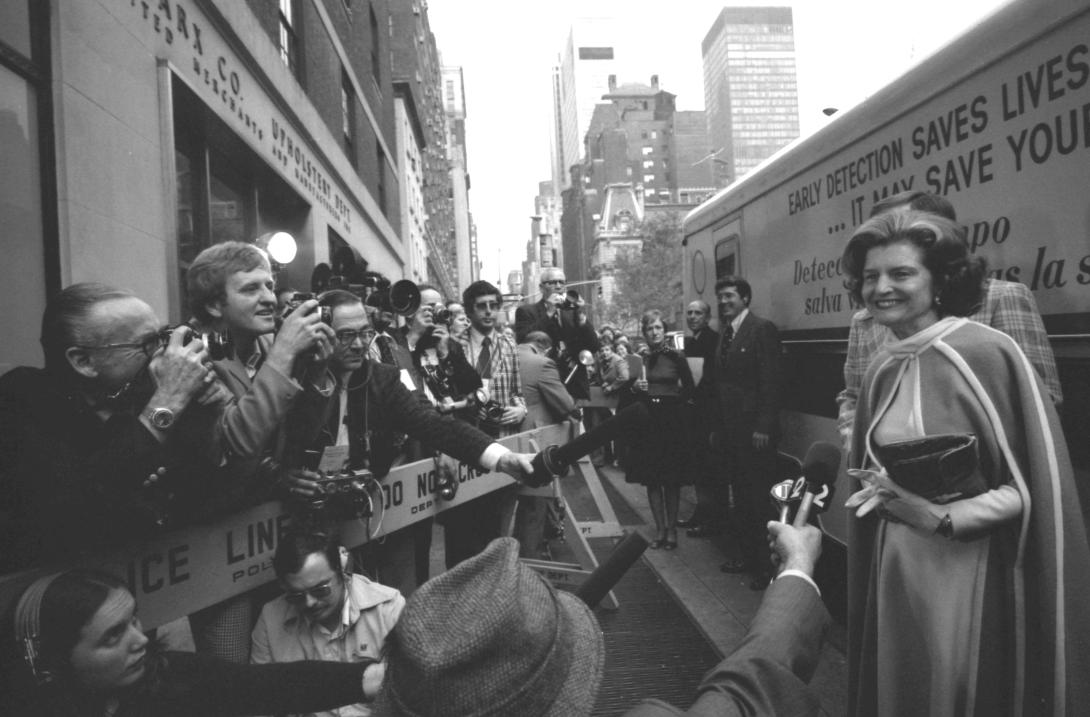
[
  {"x": 318, "y": 592},
  {"x": 347, "y": 337},
  {"x": 489, "y": 305},
  {"x": 149, "y": 345},
  {"x": 553, "y": 282}
]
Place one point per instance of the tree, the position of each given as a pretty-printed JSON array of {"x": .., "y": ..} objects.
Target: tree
[{"x": 651, "y": 278}]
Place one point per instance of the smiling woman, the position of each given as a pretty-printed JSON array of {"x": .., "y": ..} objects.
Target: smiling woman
[{"x": 946, "y": 591}]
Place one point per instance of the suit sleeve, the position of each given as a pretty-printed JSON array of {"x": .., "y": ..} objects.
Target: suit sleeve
[
  {"x": 250, "y": 423},
  {"x": 686, "y": 375},
  {"x": 769, "y": 671},
  {"x": 553, "y": 392},
  {"x": 854, "y": 368},
  {"x": 443, "y": 433},
  {"x": 769, "y": 378}
]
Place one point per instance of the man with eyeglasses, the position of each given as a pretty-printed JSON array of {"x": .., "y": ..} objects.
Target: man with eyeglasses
[
  {"x": 116, "y": 403},
  {"x": 470, "y": 527},
  {"x": 326, "y": 613},
  {"x": 373, "y": 402},
  {"x": 568, "y": 328}
]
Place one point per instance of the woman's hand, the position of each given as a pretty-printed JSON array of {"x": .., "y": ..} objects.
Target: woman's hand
[{"x": 880, "y": 492}]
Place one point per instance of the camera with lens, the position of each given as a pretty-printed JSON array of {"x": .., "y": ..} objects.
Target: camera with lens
[
  {"x": 325, "y": 313},
  {"x": 217, "y": 343},
  {"x": 344, "y": 496},
  {"x": 442, "y": 315},
  {"x": 493, "y": 410},
  {"x": 490, "y": 407},
  {"x": 572, "y": 300}
]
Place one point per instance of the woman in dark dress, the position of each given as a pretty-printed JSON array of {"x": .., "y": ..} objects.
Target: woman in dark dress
[{"x": 660, "y": 456}]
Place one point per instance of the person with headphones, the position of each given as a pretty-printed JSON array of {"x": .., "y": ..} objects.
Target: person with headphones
[{"x": 84, "y": 654}]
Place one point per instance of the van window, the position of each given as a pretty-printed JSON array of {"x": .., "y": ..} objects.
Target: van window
[{"x": 726, "y": 257}]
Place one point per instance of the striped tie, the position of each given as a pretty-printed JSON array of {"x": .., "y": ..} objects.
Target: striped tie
[{"x": 484, "y": 358}]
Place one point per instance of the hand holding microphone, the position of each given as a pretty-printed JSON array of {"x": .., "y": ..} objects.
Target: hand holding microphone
[{"x": 812, "y": 491}]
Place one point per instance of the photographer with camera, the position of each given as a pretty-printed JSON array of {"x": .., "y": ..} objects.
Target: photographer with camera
[
  {"x": 118, "y": 401},
  {"x": 561, "y": 314},
  {"x": 439, "y": 360},
  {"x": 272, "y": 372},
  {"x": 272, "y": 368},
  {"x": 357, "y": 432}
]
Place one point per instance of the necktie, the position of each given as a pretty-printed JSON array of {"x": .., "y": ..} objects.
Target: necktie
[
  {"x": 724, "y": 345},
  {"x": 384, "y": 350},
  {"x": 484, "y": 358}
]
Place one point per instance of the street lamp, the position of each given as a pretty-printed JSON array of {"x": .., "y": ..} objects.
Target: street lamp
[{"x": 280, "y": 246}]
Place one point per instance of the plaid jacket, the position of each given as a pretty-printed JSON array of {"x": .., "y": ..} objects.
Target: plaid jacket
[
  {"x": 1008, "y": 306},
  {"x": 505, "y": 386}
]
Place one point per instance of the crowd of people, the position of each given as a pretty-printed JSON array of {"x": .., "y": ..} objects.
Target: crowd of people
[{"x": 967, "y": 546}]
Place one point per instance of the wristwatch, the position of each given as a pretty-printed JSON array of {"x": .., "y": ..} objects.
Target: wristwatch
[
  {"x": 160, "y": 418},
  {"x": 946, "y": 527}
]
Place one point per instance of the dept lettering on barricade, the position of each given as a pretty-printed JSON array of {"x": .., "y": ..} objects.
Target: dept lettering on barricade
[{"x": 203, "y": 564}]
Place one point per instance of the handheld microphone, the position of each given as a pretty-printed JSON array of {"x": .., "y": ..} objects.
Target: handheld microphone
[
  {"x": 784, "y": 494},
  {"x": 819, "y": 473},
  {"x": 555, "y": 461}
]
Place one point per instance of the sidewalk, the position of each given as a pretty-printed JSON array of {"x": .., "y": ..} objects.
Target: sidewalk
[{"x": 720, "y": 605}]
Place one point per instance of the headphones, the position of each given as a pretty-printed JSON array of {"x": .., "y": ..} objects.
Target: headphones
[{"x": 28, "y": 626}]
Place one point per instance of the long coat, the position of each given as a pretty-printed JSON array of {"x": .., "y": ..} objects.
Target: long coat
[{"x": 975, "y": 378}]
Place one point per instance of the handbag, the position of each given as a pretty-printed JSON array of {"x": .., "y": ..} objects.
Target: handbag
[{"x": 941, "y": 468}]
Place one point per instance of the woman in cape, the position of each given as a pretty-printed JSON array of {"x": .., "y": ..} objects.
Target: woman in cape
[{"x": 971, "y": 602}]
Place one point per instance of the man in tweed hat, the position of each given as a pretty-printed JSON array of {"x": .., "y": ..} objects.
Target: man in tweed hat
[{"x": 492, "y": 637}]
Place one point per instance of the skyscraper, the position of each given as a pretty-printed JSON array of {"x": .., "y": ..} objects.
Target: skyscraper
[
  {"x": 454, "y": 102},
  {"x": 750, "y": 89},
  {"x": 588, "y": 59}
]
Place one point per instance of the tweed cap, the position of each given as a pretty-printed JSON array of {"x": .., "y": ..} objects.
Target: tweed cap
[{"x": 492, "y": 637}]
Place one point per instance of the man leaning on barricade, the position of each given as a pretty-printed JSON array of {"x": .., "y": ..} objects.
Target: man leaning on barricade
[
  {"x": 91, "y": 446},
  {"x": 276, "y": 366},
  {"x": 356, "y": 432}
]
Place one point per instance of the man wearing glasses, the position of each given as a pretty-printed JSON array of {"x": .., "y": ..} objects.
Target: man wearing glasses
[
  {"x": 80, "y": 438},
  {"x": 568, "y": 328},
  {"x": 325, "y": 613},
  {"x": 373, "y": 403}
]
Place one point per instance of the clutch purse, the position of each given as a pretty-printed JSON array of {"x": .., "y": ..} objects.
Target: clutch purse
[{"x": 940, "y": 468}]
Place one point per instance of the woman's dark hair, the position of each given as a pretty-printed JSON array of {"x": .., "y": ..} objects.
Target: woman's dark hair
[
  {"x": 68, "y": 604},
  {"x": 62, "y": 321},
  {"x": 957, "y": 276},
  {"x": 918, "y": 201}
]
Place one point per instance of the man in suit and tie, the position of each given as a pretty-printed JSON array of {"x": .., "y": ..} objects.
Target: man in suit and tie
[
  {"x": 568, "y": 329},
  {"x": 748, "y": 385},
  {"x": 469, "y": 528}
]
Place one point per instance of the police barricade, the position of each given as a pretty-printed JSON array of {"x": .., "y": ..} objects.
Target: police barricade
[{"x": 202, "y": 564}]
